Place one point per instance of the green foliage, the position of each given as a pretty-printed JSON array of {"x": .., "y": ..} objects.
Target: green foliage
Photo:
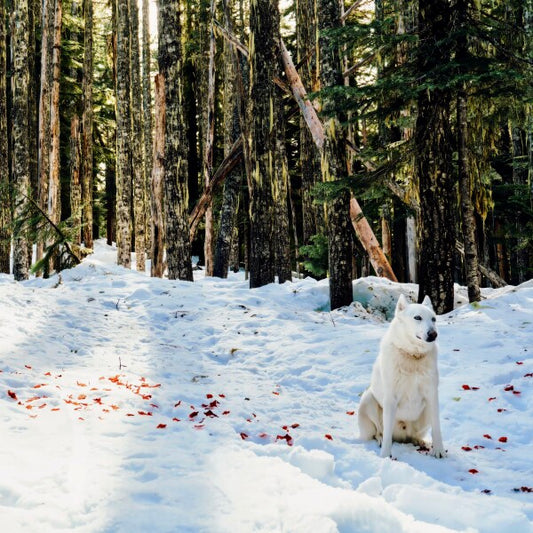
[{"x": 315, "y": 255}]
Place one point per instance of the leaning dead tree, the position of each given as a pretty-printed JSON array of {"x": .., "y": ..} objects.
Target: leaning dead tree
[{"x": 361, "y": 226}]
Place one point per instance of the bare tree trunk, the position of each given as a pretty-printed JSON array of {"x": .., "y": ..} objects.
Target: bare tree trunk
[
  {"x": 176, "y": 172},
  {"x": 158, "y": 230},
  {"x": 147, "y": 114},
  {"x": 87, "y": 127},
  {"x": 209, "y": 144},
  {"x": 5, "y": 198},
  {"x": 20, "y": 155},
  {"x": 75, "y": 176},
  {"x": 264, "y": 46},
  {"x": 334, "y": 164},
  {"x": 137, "y": 145},
  {"x": 123, "y": 113}
]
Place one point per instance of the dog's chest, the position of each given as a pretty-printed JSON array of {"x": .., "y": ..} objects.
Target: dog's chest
[{"x": 412, "y": 391}]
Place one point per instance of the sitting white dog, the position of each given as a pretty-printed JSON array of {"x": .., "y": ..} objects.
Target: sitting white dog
[{"x": 402, "y": 401}]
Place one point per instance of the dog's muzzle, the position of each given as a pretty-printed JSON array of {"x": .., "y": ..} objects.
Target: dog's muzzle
[{"x": 431, "y": 336}]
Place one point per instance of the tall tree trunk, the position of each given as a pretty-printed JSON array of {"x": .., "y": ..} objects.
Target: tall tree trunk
[
  {"x": 307, "y": 56},
  {"x": 264, "y": 47},
  {"x": 433, "y": 167},
  {"x": 75, "y": 176},
  {"x": 137, "y": 144},
  {"x": 158, "y": 229},
  {"x": 54, "y": 188},
  {"x": 230, "y": 199},
  {"x": 176, "y": 172},
  {"x": 87, "y": 127},
  {"x": 147, "y": 113},
  {"x": 44, "y": 143},
  {"x": 209, "y": 143},
  {"x": 280, "y": 193},
  {"x": 20, "y": 154},
  {"x": 5, "y": 197},
  {"x": 123, "y": 114},
  {"x": 334, "y": 164}
]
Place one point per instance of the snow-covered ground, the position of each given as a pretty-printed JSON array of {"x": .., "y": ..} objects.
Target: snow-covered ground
[{"x": 131, "y": 404}]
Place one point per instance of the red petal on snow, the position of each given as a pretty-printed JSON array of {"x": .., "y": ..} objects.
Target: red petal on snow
[
  {"x": 474, "y": 471},
  {"x": 161, "y": 426},
  {"x": 12, "y": 394},
  {"x": 328, "y": 436},
  {"x": 502, "y": 439},
  {"x": 487, "y": 436}
]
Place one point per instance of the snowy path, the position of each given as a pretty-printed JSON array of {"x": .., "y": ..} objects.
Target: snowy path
[{"x": 134, "y": 404}]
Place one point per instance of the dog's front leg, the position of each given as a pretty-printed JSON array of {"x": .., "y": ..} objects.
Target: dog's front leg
[
  {"x": 389, "y": 416},
  {"x": 436, "y": 435}
]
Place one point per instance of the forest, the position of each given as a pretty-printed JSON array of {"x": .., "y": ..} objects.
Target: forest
[{"x": 328, "y": 138}]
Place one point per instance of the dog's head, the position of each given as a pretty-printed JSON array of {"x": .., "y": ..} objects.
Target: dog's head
[{"x": 418, "y": 319}]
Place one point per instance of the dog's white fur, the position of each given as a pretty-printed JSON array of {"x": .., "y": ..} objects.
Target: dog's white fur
[{"x": 402, "y": 400}]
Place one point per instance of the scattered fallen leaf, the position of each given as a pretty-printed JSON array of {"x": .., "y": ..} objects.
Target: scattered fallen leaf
[
  {"x": 508, "y": 388},
  {"x": 161, "y": 426},
  {"x": 193, "y": 414},
  {"x": 466, "y": 448},
  {"x": 474, "y": 471},
  {"x": 176, "y": 420},
  {"x": 226, "y": 412},
  {"x": 487, "y": 436},
  {"x": 328, "y": 436},
  {"x": 486, "y": 491},
  {"x": 244, "y": 436},
  {"x": 12, "y": 394},
  {"x": 492, "y": 399},
  {"x": 502, "y": 439},
  {"x": 351, "y": 413}
]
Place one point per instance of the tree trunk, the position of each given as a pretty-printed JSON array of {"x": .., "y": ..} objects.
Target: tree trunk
[
  {"x": 75, "y": 177},
  {"x": 123, "y": 114},
  {"x": 20, "y": 155},
  {"x": 209, "y": 144},
  {"x": 137, "y": 144},
  {"x": 5, "y": 200},
  {"x": 147, "y": 114},
  {"x": 264, "y": 47},
  {"x": 176, "y": 172},
  {"x": 433, "y": 166},
  {"x": 334, "y": 163},
  {"x": 158, "y": 230},
  {"x": 307, "y": 56},
  {"x": 230, "y": 199},
  {"x": 87, "y": 127}
]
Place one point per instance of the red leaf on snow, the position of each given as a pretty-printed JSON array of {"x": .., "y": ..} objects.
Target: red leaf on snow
[
  {"x": 502, "y": 439},
  {"x": 193, "y": 414},
  {"x": 520, "y": 362},
  {"x": 81, "y": 384},
  {"x": 294, "y": 426},
  {"x": 516, "y": 392},
  {"x": 177, "y": 404},
  {"x": 12, "y": 394},
  {"x": 529, "y": 375},
  {"x": 474, "y": 471},
  {"x": 208, "y": 396},
  {"x": 145, "y": 413},
  {"x": 466, "y": 448},
  {"x": 222, "y": 395},
  {"x": 328, "y": 436},
  {"x": 466, "y": 387},
  {"x": 487, "y": 436},
  {"x": 287, "y": 438},
  {"x": 478, "y": 447},
  {"x": 244, "y": 436},
  {"x": 226, "y": 412},
  {"x": 508, "y": 388},
  {"x": 501, "y": 410},
  {"x": 161, "y": 426},
  {"x": 492, "y": 399},
  {"x": 351, "y": 413},
  {"x": 486, "y": 491},
  {"x": 176, "y": 420},
  {"x": 28, "y": 367},
  {"x": 47, "y": 374},
  {"x": 524, "y": 489},
  {"x": 39, "y": 385},
  {"x": 210, "y": 414},
  {"x": 276, "y": 393},
  {"x": 263, "y": 435}
]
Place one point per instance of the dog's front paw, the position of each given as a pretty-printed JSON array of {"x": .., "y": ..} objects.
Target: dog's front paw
[{"x": 438, "y": 452}]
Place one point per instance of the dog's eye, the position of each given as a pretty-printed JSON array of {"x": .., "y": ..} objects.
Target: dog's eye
[
  {"x": 418, "y": 317},
  {"x": 433, "y": 319}
]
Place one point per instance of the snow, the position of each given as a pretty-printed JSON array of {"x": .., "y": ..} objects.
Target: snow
[{"x": 103, "y": 369}]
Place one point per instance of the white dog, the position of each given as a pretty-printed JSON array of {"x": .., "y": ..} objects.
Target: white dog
[{"x": 402, "y": 401}]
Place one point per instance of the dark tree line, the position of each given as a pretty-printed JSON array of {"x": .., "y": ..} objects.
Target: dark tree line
[{"x": 334, "y": 138}]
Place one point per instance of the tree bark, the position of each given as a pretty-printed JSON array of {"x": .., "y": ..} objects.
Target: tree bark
[
  {"x": 263, "y": 50},
  {"x": 75, "y": 176},
  {"x": 137, "y": 144},
  {"x": 5, "y": 198},
  {"x": 334, "y": 163},
  {"x": 176, "y": 172},
  {"x": 158, "y": 230},
  {"x": 123, "y": 114},
  {"x": 20, "y": 131},
  {"x": 87, "y": 127},
  {"x": 433, "y": 161}
]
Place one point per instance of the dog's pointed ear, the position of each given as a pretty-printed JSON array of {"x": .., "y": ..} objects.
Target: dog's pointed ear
[
  {"x": 427, "y": 302},
  {"x": 401, "y": 304}
]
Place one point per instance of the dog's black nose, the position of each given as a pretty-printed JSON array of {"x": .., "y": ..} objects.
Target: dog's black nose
[{"x": 432, "y": 335}]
